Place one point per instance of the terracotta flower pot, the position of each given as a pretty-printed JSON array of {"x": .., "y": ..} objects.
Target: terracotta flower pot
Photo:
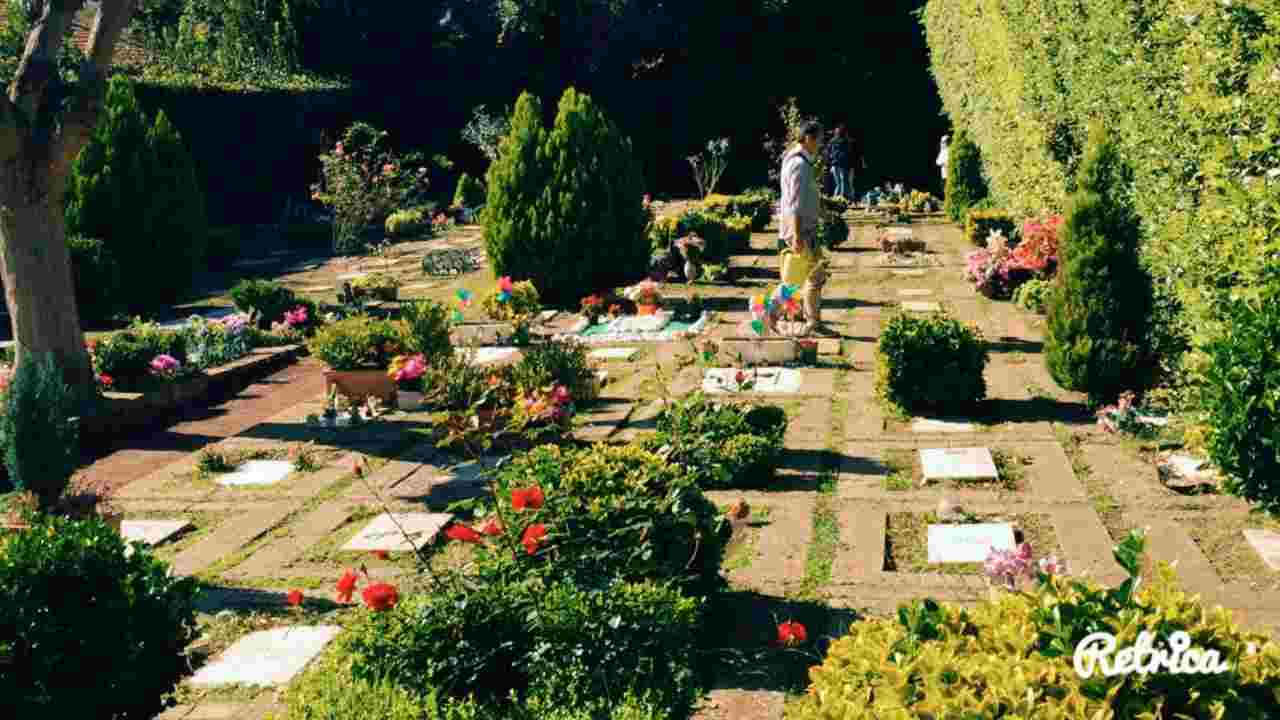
[
  {"x": 646, "y": 309},
  {"x": 359, "y": 385}
]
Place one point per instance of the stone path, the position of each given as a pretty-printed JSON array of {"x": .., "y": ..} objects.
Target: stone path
[{"x": 841, "y": 532}]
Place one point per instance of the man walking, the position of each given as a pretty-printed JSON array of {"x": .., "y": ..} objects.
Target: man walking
[{"x": 803, "y": 265}]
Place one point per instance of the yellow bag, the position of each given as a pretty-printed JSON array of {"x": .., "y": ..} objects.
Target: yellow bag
[{"x": 796, "y": 267}]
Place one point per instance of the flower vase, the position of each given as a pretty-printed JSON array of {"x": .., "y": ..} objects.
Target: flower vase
[{"x": 690, "y": 271}]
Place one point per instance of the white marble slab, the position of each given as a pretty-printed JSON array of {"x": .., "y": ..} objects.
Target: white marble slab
[
  {"x": 909, "y": 273},
  {"x": 257, "y": 472},
  {"x": 1267, "y": 543},
  {"x": 267, "y": 657},
  {"x": 918, "y": 306},
  {"x": 382, "y": 533},
  {"x": 915, "y": 292},
  {"x": 487, "y": 355},
  {"x": 152, "y": 532},
  {"x": 353, "y": 276},
  {"x": 968, "y": 543},
  {"x": 764, "y": 381},
  {"x": 929, "y": 425},
  {"x": 613, "y": 354},
  {"x": 958, "y": 464}
]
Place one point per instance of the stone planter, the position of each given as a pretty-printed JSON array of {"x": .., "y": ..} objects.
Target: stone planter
[
  {"x": 482, "y": 334},
  {"x": 761, "y": 351},
  {"x": 361, "y": 384},
  {"x": 409, "y": 400}
]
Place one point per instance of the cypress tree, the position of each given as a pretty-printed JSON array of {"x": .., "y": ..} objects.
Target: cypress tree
[
  {"x": 966, "y": 186},
  {"x": 174, "y": 219},
  {"x": 565, "y": 206},
  {"x": 1100, "y": 306}
]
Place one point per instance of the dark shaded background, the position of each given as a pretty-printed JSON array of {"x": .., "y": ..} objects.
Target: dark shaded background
[{"x": 673, "y": 74}]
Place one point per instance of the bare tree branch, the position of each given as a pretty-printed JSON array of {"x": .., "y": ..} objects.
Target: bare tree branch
[
  {"x": 40, "y": 59},
  {"x": 90, "y": 90}
]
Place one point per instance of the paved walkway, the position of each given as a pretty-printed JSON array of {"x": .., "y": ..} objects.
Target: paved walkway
[{"x": 202, "y": 426}]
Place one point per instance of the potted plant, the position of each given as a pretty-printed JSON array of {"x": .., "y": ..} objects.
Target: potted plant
[
  {"x": 407, "y": 373},
  {"x": 379, "y": 286},
  {"x": 647, "y": 296},
  {"x": 357, "y": 351}
]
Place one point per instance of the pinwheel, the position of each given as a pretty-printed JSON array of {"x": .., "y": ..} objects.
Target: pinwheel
[{"x": 464, "y": 297}]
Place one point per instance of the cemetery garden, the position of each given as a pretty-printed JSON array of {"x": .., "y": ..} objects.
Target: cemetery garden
[{"x": 532, "y": 451}]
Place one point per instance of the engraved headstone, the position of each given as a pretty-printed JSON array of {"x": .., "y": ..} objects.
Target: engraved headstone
[{"x": 968, "y": 543}]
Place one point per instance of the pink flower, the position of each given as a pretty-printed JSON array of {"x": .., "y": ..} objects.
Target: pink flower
[
  {"x": 505, "y": 285},
  {"x": 561, "y": 395},
  {"x": 165, "y": 366},
  {"x": 1052, "y": 566},
  {"x": 1007, "y": 566},
  {"x": 337, "y": 150},
  {"x": 388, "y": 169},
  {"x": 296, "y": 316}
]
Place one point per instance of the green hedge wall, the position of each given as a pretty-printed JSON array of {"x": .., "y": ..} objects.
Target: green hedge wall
[
  {"x": 252, "y": 149},
  {"x": 1190, "y": 90}
]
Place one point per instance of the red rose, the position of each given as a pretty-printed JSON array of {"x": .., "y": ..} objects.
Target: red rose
[
  {"x": 294, "y": 598},
  {"x": 533, "y": 536},
  {"x": 492, "y": 527},
  {"x": 380, "y": 596},
  {"x": 462, "y": 533},
  {"x": 347, "y": 586},
  {"x": 530, "y": 497},
  {"x": 792, "y": 633}
]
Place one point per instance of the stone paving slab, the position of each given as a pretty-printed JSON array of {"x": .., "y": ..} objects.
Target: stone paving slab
[
  {"x": 265, "y": 658},
  {"x": 1267, "y": 544},
  {"x": 728, "y": 704},
  {"x": 312, "y": 529},
  {"x": 401, "y": 532},
  {"x": 152, "y": 532}
]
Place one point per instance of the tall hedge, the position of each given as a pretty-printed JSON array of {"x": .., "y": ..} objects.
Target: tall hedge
[
  {"x": 134, "y": 186},
  {"x": 1190, "y": 91},
  {"x": 965, "y": 185},
  {"x": 1098, "y": 311},
  {"x": 564, "y": 206}
]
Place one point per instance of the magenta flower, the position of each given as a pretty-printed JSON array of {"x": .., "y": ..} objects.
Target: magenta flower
[
  {"x": 1006, "y": 567},
  {"x": 296, "y": 316},
  {"x": 165, "y": 366}
]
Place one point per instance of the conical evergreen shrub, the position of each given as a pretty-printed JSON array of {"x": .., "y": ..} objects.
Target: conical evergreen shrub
[
  {"x": 966, "y": 186},
  {"x": 564, "y": 208},
  {"x": 1100, "y": 306},
  {"x": 134, "y": 185}
]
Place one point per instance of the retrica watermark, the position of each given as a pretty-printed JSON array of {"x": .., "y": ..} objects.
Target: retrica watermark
[{"x": 1095, "y": 654}]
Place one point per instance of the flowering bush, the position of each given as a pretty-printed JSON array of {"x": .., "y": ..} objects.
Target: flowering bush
[
  {"x": 165, "y": 367},
  {"x": 1033, "y": 295},
  {"x": 364, "y": 182},
  {"x": 210, "y": 343},
  {"x": 408, "y": 371},
  {"x": 1124, "y": 417},
  {"x": 552, "y": 405},
  {"x": 1038, "y": 251}
]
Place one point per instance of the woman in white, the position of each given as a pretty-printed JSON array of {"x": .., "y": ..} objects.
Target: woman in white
[{"x": 944, "y": 156}]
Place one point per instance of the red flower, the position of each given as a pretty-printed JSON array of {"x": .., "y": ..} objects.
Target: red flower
[
  {"x": 531, "y": 498},
  {"x": 347, "y": 586},
  {"x": 106, "y": 380},
  {"x": 294, "y": 598},
  {"x": 533, "y": 536},
  {"x": 792, "y": 633},
  {"x": 462, "y": 533},
  {"x": 380, "y": 596},
  {"x": 740, "y": 378},
  {"x": 381, "y": 554},
  {"x": 492, "y": 528}
]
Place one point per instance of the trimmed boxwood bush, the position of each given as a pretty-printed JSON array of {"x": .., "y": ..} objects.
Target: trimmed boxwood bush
[
  {"x": 1241, "y": 394},
  {"x": 556, "y": 643},
  {"x": 931, "y": 363},
  {"x": 979, "y": 224},
  {"x": 722, "y": 444},
  {"x": 407, "y": 223},
  {"x": 93, "y": 633},
  {"x": 616, "y": 512},
  {"x": 1100, "y": 308},
  {"x": 1012, "y": 656},
  {"x": 966, "y": 185},
  {"x": 269, "y": 299},
  {"x": 564, "y": 207}
]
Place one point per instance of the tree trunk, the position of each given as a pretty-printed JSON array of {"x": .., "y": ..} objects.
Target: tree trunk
[{"x": 38, "y": 286}]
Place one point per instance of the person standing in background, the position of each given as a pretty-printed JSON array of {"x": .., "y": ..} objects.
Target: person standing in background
[
  {"x": 944, "y": 158},
  {"x": 803, "y": 262},
  {"x": 838, "y": 161}
]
